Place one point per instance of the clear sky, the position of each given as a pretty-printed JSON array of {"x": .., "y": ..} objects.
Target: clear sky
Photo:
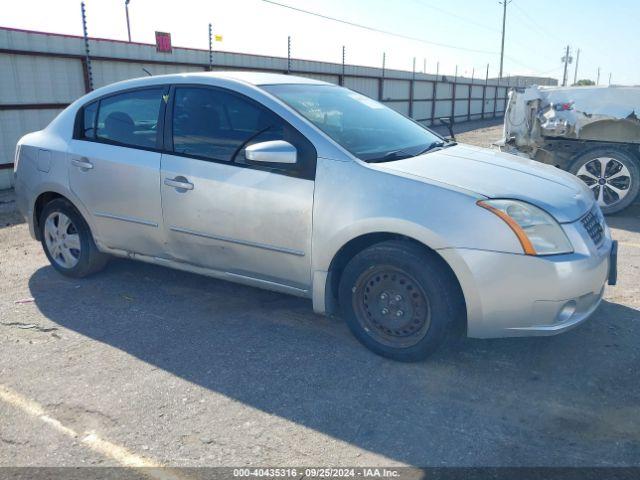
[{"x": 606, "y": 32}]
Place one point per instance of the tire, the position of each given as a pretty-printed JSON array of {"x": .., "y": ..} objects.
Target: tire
[
  {"x": 604, "y": 168},
  {"x": 399, "y": 276},
  {"x": 61, "y": 237}
]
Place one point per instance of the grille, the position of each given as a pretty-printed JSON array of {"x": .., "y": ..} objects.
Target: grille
[{"x": 593, "y": 226}]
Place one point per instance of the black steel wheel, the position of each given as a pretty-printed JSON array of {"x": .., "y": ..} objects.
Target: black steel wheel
[
  {"x": 391, "y": 306},
  {"x": 400, "y": 299}
]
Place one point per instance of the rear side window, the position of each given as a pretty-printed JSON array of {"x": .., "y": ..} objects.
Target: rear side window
[{"x": 130, "y": 118}]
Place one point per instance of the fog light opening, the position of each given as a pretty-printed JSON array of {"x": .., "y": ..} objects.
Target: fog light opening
[{"x": 566, "y": 312}]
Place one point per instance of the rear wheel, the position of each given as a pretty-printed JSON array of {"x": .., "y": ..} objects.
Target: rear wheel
[
  {"x": 612, "y": 175},
  {"x": 67, "y": 240},
  {"x": 398, "y": 300}
]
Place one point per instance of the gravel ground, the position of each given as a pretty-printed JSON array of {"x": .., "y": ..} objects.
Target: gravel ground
[
  {"x": 185, "y": 370},
  {"x": 478, "y": 132}
]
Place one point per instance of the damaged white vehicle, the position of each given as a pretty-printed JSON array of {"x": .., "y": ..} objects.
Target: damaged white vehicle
[{"x": 592, "y": 132}]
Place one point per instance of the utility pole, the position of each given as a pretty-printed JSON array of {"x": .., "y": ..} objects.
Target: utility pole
[
  {"x": 598, "y": 79},
  {"x": 126, "y": 7},
  {"x": 575, "y": 72},
  {"x": 609, "y": 79},
  {"x": 384, "y": 61},
  {"x": 566, "y": 59},
  {"x": 504, "y": 4}
]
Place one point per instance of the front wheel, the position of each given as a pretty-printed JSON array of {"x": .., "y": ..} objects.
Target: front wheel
[
  {"x": 398, "y": 300},
  {"x": 612, "y": 175}
]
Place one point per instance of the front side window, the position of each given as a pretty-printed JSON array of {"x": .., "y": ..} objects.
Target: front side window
[
  {"x": 366, "y": 128},
  {"x": 214, "y": 124},
  {"x": 130, "y": 118},
  {"x": 217, "y": 125}
]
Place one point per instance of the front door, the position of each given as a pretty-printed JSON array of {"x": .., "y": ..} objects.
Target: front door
[
  {"x": 115, "y": 169},
  {"x": 219, "y": 211}
]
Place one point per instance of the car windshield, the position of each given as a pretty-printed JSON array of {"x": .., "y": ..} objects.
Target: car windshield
[{"x": 366, "y": 128}]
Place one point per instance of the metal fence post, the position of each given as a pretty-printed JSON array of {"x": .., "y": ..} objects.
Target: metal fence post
[
  {"x": 411, "y": 87},
  {"x": 381, "y": 79},
  {"x": 484, "y": 91},
  {"x": 434, "y": 95},
  {"x": 453, "y": 97},
  {"x": 343, "y": 57},
  {"x": 473, "y": 72},
  {"x": 495, "y": 97},
  {"x": 87, "y": 57},
  {"x": 210, "y": 48}
]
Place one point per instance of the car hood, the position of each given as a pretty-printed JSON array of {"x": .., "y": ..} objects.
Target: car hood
[{"x": 495, "y": 174}]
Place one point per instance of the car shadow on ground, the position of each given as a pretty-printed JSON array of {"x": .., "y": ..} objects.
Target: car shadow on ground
[
  {"x": 573, "y": 399},
  {"x": 626, "y": 219}
]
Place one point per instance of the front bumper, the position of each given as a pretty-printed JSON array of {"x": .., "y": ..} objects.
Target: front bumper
[{"x": 511, "y": 295}]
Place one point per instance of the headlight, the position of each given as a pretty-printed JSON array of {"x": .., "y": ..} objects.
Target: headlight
[{"x": 538, "y": 232}]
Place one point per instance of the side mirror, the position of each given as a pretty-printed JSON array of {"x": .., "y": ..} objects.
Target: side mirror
[
  {"x": 275, "y": 151},
  {"x": 449, "y": 124}
]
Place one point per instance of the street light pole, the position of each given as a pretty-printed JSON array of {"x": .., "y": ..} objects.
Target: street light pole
[{"x": 126, "y": 7}]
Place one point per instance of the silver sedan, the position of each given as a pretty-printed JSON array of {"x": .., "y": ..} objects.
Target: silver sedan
[{"x": 311, "y": 189}]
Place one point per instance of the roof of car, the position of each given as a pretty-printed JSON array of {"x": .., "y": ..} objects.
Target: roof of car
[
  {"x": 262, "y": 78},
  {"x": 253, "y": 78}
]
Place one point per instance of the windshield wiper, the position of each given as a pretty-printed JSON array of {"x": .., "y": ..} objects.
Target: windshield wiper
[
  {"x": 395, "y": 155},
  {"x": 437, "y": 145},
  {"x": 402, "y": 154}
]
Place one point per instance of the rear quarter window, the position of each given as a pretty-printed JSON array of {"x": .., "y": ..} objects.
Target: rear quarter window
[{"x": 88, "y": 121}]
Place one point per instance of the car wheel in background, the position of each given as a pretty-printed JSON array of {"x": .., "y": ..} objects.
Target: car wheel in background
[
  {"x": 612, "y": 175},
  {"x": 399, "y": 300},
  {"x": 67, "y": 240}
]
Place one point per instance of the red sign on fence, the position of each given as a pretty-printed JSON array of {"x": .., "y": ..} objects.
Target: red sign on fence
[{"x": 163, "y": 42}]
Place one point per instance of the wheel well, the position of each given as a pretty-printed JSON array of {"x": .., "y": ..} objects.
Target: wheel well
[
  {"x": 41, "y": 201},
  {"x": 358, "y": 244}
]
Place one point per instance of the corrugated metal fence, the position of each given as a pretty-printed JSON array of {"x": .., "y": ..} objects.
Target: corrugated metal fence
[{"x": 41, "y": 73}]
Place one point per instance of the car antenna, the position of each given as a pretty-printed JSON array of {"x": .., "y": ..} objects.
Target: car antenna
[{"x": 147, "y": 72}]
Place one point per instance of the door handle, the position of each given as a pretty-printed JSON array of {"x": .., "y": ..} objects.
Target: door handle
[
  {"x": 82, "y": 162},
  {"x": 180, "y": 183}
]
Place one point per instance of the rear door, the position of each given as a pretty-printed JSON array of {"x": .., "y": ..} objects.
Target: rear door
[
  {"x": 115, "y": 168},
  {"x": 247, "y": 220}
]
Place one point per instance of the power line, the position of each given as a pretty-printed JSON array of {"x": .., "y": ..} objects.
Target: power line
[
  {"x": 480, "y": 25},
  {"x": 460, "y": 17},
  {"x": 378, "y": 30},
  {"x": 535, "y": 24},
  {"x": 534, "y": 70}
]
